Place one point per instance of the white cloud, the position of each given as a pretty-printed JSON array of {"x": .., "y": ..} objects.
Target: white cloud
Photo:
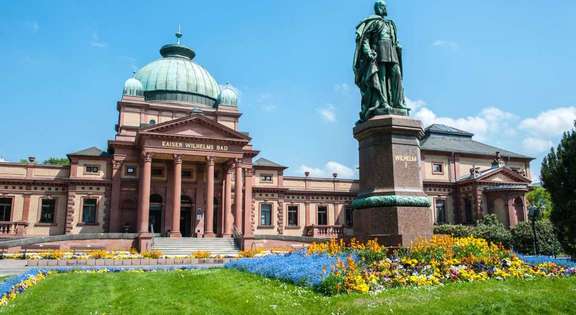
[
  {"x": 328, "y": 113},
  {"x": 96, "y": 42},
  {"x": 314, "y": 172},
  {"x": 537, "y": 145},
  {"x": 446, "y": 44},
  {"x": 415, "y": 105},
  {"x": 490, "y": 121},
  {"x": 328, "y": 169},
  {"x": 342, "y": 88},
  {"x": 551, "y": 123},
  {"x": 340, "y": 169}
]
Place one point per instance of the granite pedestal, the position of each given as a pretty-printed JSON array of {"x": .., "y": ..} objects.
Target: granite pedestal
[{"x": 391, "y": 206}]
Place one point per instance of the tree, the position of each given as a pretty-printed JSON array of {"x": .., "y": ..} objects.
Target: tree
[
  {"x": 559, "y": 178},
  {"x": 540, "y": 196},
  {"x": 57, "y": 161}
]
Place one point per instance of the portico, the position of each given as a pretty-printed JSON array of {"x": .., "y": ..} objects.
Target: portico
[{"x": 202, "y": 162}]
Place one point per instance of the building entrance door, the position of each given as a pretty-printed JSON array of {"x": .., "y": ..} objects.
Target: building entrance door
[
  {"x": 155, "y": 221},
  {"x": 186, "y": 216}
]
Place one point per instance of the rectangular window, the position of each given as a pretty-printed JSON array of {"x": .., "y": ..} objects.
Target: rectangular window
[
  {"x": 92, "y": 169},
  {"x": 440, "y": 211},
  {"x": 130, "y": 170},
  {"x": 186, "y": 173},
  {"x": 322, "y": 215},
  {"x": 438, "y": 168},
  {"x": 292, "y": 215},
  {"x": 157, "y": 172},
  {"x": 89, "y": 211},
  {"x": 349, "y": 216},
  {"x": 265, "y": 178},
  {"x": 265, "y": 214},
  {"x": 47, "y": 211},
  {"x": 5, "y": 209}
]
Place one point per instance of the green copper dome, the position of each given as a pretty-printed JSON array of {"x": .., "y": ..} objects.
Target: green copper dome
[
  {"x": 176, "y": 78},
  {"x": 228, "y": 96},
  {"x": 133, "y": 87}
]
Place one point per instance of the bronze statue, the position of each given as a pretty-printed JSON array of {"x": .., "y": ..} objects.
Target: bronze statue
[{"x": 378, "y": 66}]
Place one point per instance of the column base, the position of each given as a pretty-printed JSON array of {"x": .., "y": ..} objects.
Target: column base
[
  {"x": 209, "y": 235},
  {"x": 175, "y": 234}
]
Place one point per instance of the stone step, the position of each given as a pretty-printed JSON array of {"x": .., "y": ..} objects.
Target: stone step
[{"x": 187, "y": 246}]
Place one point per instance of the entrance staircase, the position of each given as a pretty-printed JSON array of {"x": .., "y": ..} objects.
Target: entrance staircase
[{"x": 187, "y": 245}]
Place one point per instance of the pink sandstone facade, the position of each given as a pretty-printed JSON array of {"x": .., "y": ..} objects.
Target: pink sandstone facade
[{"x": 179, "y": 167}]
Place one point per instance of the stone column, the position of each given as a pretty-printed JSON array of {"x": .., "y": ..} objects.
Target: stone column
[
  {"x": 144, "y": 193},
  {"x": 115, "y": 216},
  {"x": 247, "y": 222},
  {"x": 228, "y": 217},
  {"x": 238, "y": 195},
  {"x": 209, "y": 217},
  {"x": 176, "y": 197},
  {"x": 307, "y": 213}
]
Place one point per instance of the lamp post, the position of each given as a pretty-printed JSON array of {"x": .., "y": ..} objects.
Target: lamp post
[{"x": 534, "y": 214}]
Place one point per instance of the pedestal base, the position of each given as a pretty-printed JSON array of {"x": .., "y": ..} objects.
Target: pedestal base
[
  {"x": 393, "y": 226},
  {"x": 144, "y": 242}
]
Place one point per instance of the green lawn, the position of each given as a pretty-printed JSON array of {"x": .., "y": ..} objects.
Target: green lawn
[{"x": 230, "y": 292}]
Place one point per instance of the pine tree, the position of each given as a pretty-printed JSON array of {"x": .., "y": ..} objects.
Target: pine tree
[{"x": 559, "y": 178}]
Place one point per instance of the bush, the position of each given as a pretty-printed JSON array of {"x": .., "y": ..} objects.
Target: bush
[
  {"x": 496, "y": 234},
  {"x": 522, "y": 238},
  {"x": 453, "y": 230},
  {"x": 99, "y": 254},
  {"x": 154, "y": 254},
  {"x": 53, "y": 254},
  {"x": 249, "y": 253},
  {"x": 201, "y": 254},
  {"x": 488, "y": 228}
]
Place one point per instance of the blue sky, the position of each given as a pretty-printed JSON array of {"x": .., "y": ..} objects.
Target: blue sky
[{"x": 501, "y": 69}]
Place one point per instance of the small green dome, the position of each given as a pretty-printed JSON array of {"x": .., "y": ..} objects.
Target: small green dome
[
  {"x": 175, "y": 77},
  {"x": 228, "y": 95},
  {"x": 133, "y": 87}
]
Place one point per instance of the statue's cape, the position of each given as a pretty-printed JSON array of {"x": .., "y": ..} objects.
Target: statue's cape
[{"x": 361, "y": 29}]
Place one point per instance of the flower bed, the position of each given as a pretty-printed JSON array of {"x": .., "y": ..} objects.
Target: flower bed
[
  {"x": 336, "y": 267},
  {"x": 535, "y": 260},
  {"x": 15, "y": 285},
  {"x": 297, "y": 267}
]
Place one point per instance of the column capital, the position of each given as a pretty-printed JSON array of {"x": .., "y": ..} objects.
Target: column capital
[
  {"x": 147, "y": 157},
  {"x": 116, "y": 164},
  {"x": 210, "y": 160},
  {"x": 177, "y": 158},
  {"x": 249, "y": 172}
]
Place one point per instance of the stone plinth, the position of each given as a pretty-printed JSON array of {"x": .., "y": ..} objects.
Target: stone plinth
[{"x": 391, "y": 206}]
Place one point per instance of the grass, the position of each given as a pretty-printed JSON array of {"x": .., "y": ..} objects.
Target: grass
[{"x": 221, "y": 291}]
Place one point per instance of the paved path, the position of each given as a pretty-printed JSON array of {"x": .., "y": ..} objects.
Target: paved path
[{"x": 9, "y": 267}]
